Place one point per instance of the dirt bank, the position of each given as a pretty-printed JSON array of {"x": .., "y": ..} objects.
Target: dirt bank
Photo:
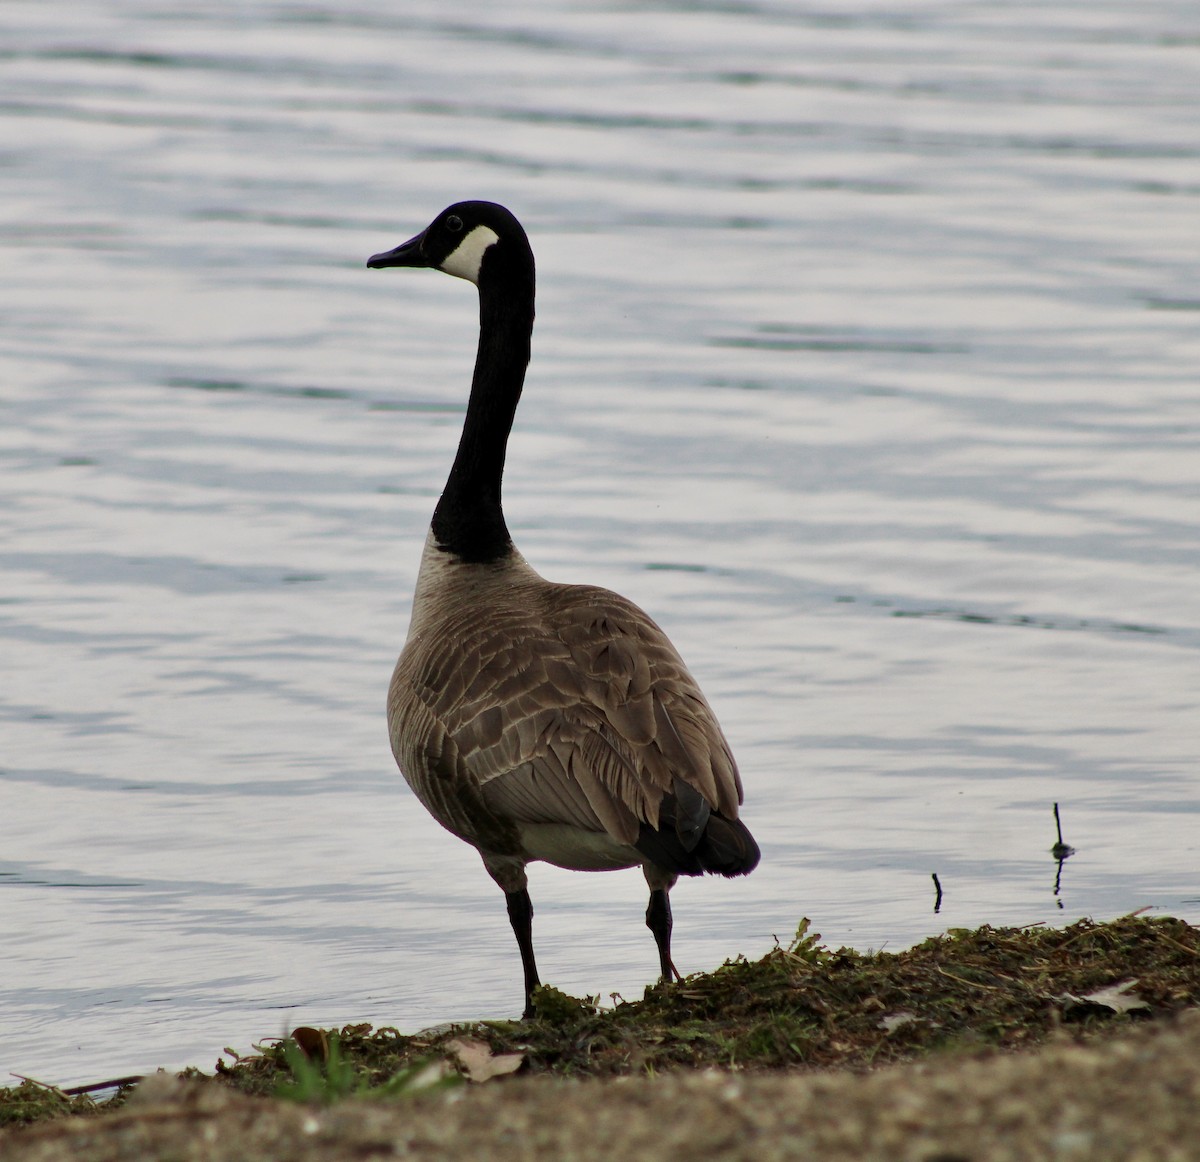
[
  {"x": 1078, "y": 1043},
  {"x": 1133, "y": 1096}
]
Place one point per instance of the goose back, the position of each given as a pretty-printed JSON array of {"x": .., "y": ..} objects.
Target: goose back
[{"x": 519, "y": 703}]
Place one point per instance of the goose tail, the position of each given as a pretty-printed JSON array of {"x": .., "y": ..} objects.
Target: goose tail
[
  {"x": 727, "y": 848},
  {"x": 724, "y": 848}
]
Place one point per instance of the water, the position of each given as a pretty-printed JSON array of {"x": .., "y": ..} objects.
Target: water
[{"x": 865, "y": 361}]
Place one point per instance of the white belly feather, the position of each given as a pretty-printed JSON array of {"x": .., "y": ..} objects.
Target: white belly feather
[{"x": 576, "y": 849}]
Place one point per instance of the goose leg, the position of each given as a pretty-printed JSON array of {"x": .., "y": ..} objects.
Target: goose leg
[
  {"x": 658, "y": 920},
  {"x": 520, "y": 916}
]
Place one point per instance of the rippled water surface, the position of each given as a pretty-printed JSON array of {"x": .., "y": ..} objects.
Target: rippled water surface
[{"x": 866, "y": 361}]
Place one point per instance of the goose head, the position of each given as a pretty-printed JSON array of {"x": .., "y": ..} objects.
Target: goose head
[{"x": 479, "y": 241}]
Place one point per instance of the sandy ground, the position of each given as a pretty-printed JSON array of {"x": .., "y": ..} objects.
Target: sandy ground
[{"x": 1131, "y": 1096}]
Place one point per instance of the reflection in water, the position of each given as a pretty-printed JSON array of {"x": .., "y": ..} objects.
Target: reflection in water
[
  {"x": 1061, "y": 853},
  {"x": 865, "y": 363}
]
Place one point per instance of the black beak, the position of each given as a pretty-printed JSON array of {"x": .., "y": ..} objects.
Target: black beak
[{"x": 408, "y": 253}]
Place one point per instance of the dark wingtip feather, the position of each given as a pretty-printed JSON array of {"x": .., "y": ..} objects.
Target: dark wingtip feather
[{"x": 726, "y": 848}]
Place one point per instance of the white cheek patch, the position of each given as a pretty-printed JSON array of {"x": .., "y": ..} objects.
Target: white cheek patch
[{"x": 466, "y": 258}]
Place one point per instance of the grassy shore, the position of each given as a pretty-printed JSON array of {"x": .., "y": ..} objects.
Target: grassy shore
[{"x": 995, "y": 1018}]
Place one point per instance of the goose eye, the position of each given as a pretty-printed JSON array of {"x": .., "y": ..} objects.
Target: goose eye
[{"x": 454, "y": 223}]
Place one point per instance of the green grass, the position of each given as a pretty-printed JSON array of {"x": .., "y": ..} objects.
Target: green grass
[{"x": 327, "y": 1075}]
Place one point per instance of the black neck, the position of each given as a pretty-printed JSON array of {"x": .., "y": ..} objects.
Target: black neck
[{"x": 469, "y": 519}]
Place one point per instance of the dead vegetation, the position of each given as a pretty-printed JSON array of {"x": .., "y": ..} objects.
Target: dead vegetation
[
  {"x": 802, "y": 1007},
  {"x": 799, "y": 1008}
]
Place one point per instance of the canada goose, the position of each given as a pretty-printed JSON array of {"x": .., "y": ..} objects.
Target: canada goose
[{"x": 532, "y": 719}]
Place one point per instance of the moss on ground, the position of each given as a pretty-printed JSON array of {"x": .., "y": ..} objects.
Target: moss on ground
[
  {"x": 30, "y": 1102},
  {"x": 800, "y": 1007}
]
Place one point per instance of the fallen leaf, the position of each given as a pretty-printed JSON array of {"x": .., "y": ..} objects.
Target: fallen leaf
[
  {"x": 1116, "y": 997},
  {"x": 894, "y": 1021},
  {"x": 313, "y": 1043},
  {"x": 479, "y": 1063}
]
